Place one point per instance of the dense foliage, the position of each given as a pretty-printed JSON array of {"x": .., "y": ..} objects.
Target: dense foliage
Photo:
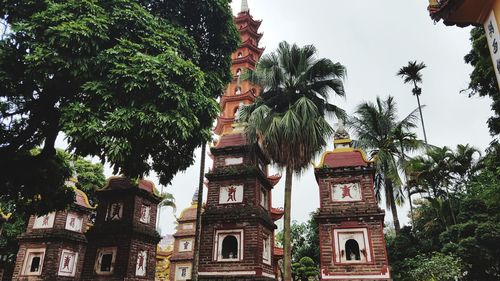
[
  {"x": 457, "y": 223},
  {"x": 305, "y": 249},
  {"x": 483, "y": 81},
  {"x": 90, "y": 178},
  {"x": 132, "y": 82}
]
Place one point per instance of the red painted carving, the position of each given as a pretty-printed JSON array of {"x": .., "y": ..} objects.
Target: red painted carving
[
  {"x": 141, "y": 261},
  {"x": 231, "y": 194},
  {"x": 346, "y": 192},
  {"x": 67, "y": 259}
]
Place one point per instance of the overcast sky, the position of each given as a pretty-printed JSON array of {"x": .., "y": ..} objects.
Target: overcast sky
[{"x": 372, "y": 39}]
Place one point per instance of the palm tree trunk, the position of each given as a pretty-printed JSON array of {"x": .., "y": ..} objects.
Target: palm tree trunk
[
  {"x": 421, "y": 118},
  {"x": 408, "y": 188},
  {"x": 451, "y": 206},
  {"x": 411, "y": 209},
  {"x": 287, "y": 243},
  {"x": 196, "y": 257},
  {"x": 392, "y": 203}
]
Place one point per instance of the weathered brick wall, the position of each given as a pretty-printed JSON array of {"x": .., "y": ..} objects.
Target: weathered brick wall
[
  {"x": 369, "y": 201},
  {"x": 377, "y": 245},
  {"x": 348, "y": 215},
  {"x": 252, "y": 248},
  {"x": 51, "y": 260},
  {"x": 128, "y": 235}
]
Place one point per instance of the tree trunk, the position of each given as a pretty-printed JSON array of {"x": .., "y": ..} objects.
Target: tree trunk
[
  {"x": 411, "y": 209},
  {"x": 287, "y": 259},
  {"x": 421, "y": 118},
  {"x": 196, "y": 257},
  {"x": 390, "y": 190}
]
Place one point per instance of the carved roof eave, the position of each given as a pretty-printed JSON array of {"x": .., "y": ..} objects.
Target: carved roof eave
[
  {"x": 246, "y": 17},
  {"x": 251, "y": 46},
  {"x": 221, "y": 121},
  {"x": 248, "y": 95},
  {"x": 255, "y": 34},
  {"x": 444, "y": 10},
  {"x": 245, "y": 59}
]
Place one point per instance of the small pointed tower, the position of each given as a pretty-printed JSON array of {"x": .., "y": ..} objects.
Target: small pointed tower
[
  {"x": 246, "y": 56},
  {"x": 122, "y": 243},
  {"x": 181, "y": 261},
  {"x": 350, "y": 223},
  {"x": 53, "y": 246}
]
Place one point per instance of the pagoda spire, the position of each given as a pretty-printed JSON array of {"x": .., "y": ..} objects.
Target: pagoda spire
[{"x": 244, "y": 6}]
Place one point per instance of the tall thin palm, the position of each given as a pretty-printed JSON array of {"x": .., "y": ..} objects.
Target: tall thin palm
[
  {"x": 288, "y": 119},
  {"x": 411, "y": 74},
  {"x": 379, "y": 131}
]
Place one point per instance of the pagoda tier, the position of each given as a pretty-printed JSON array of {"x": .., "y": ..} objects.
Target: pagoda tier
[{"x": 247, "y": 55}]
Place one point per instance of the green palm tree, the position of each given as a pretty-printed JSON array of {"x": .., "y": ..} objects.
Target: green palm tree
[
  {"x": 288, "y": 118},
  {"x": 411, "y": 74},
  {"x": 379, "y": 131},
  {"x": 167, "y": 200}
]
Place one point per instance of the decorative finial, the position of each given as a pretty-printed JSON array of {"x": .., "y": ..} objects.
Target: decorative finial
[
  {"x": 341, "y": 137},
  {"x": 244, "y": 6}
]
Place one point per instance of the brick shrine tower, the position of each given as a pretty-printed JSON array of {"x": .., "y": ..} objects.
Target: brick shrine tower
[
  {"x": 124, "y": 238},
  {"x": 181, "y": 261},
  {"x": 237, "y": 234},
  {"x": 350, "y": 223},
  {"x": 53, "y": 246}
]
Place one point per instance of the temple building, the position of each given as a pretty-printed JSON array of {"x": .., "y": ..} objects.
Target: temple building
[
  {"x": 237, "y": 234},
  {"x": 122, "y": 243},
  {"x": 463, "y": 13},
  {"x": 350, "y": 223},
  {"x": 54, "y": 245},
  {"x": 181, "y": 261}
]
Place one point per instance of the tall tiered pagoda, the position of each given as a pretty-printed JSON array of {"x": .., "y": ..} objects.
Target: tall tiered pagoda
[
  {"x": 246, "y": 56},
  {"x": 350, "y": 223},
  {"x": 237, "y": 234}
]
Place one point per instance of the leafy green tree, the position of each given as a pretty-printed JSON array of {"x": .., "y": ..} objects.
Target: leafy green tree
[
  {"x": 411, "y": 74},
  {"x": 288, "y": 119},
  {"x": 131, "y": 82},
  {"x": 304, "y": 269},
  {"x": 90, "y": 178},
  {"x": 482, "y": 78},
  {"x": 473, "y": 237},
  {"x": 438, "y": 267},
  {"x": 378, "y": 130},
  {"x": 304, "y": 240}
]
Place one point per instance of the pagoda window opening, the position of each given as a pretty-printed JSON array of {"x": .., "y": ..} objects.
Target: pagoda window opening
[
  {"x": 35, "y": 264},
  {"x": 240, "y": 55},
  {"x": 106, "y": 262},
  {"x": 238, "y": 72},
  {"x": 352, "y": 250},
  {"x": 237, "y": 91},
  {"x": 230, "y": 248}
]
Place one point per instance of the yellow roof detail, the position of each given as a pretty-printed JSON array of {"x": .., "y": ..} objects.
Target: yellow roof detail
[{"x": 343, "y": 150}]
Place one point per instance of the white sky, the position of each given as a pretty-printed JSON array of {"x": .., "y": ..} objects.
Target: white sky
[{"x": 373, "y": 39}]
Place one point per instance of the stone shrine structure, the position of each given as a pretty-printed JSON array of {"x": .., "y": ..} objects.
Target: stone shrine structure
[
  {"x": 181, "y": 261},
  {"x": 350, "y": 223},
  {"x": 54, "y": 245},
  {"x": 124, "y": 238}
]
